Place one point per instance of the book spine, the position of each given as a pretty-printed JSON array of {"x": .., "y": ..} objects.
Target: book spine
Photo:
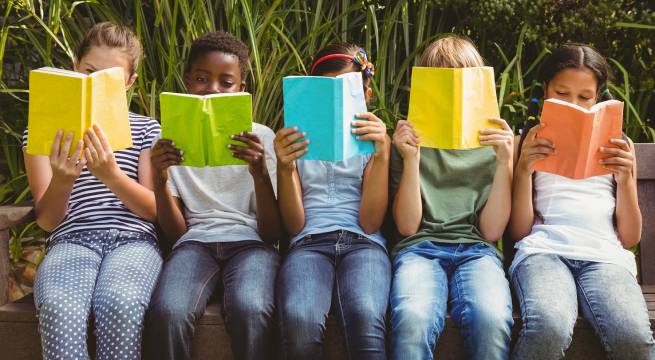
[
  {"x": 87, "y": 105},
  {"x": 458, "y": 121}
]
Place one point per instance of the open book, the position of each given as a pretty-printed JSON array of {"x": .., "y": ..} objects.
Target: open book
[
  {"x": 72, "y": 101},
  {"x": 201, "y": 126},
  {"x": 578, "y": 134},
  {"x": 449, "y": 106},
  {"x": 324, "y": 108}
]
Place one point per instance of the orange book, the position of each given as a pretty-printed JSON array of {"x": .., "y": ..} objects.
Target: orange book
[{"x": 578, "y": 135}]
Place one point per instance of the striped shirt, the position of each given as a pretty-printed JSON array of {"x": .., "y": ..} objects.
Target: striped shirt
[{"x": 92, "y": 206}]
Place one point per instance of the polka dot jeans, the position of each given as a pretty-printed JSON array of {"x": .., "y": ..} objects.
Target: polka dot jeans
[{"x": 109, "y": 273}]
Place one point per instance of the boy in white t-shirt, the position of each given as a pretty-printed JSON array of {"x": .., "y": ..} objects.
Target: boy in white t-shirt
[{"x": 222, "y": 223}]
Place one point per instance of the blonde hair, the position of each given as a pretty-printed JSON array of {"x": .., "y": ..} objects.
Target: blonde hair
[
  {"x": 452, "y": 51},
  {"x": 114, "y": 36}
]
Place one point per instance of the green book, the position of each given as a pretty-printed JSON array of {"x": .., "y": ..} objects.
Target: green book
[{"x": 201, "y": 126}]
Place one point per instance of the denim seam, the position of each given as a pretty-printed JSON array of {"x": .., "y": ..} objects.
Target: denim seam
[
  {"x": 202, "y": 289},
  {"x": 343, "y": 318},
  {"x": 601, "y": 327}
]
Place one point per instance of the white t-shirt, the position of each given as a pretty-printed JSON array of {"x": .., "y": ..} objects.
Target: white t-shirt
[
  {"x": 219, "y": 202},
  {"x": 578, "y": 222}
]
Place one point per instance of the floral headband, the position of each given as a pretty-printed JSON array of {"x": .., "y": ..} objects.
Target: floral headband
[{"x": 359, "y": 59}]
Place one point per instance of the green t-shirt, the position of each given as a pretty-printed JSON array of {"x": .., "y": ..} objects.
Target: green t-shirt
[{"x": 455, "y": 185}]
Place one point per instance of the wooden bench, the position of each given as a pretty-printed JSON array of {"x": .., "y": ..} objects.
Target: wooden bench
[{"x": 19, "y": 339}]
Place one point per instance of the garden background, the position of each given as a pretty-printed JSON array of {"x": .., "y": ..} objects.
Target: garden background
[{"x": 513, "y": 37}]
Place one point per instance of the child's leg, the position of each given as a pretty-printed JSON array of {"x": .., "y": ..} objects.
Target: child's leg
[
  {"x": 546, "y": 291},
  {"x": 304, "y": 296},
  {"x": 249, "y": 275},
  {"x": 481, "y": 302},
  {"x": 62, "y": 294},
  {"x": 611, "y": 300},
  {"x": 189, "y": 278},
  {"x": 127, "y": 276},
  {"x": 419, "y": 298},
  {"x": 361, "y": 298}
]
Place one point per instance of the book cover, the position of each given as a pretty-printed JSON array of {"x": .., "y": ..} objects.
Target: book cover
[
  {"x": 578, "y": 134},
  {"x": 201, "y": 126},
  {"x": 324, "y": 108},
  {"x": 449, "y": 106},
  {"x": 72, "y": 101}
]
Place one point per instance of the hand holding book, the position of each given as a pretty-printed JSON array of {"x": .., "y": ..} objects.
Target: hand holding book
[
  {"x": 290, "y": 144},
  {"x": 100, "y": 160},
  {"x": 620, "y": 160},
  {"x": 65, "y": 167},
  {"x": 253, "y": 153}
]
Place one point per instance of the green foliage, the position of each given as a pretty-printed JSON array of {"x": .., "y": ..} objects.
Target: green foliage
[{"x": 513, "y": 36}]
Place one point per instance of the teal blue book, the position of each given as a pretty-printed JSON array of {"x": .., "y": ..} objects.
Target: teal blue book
[{"x": 324, "y": 108}]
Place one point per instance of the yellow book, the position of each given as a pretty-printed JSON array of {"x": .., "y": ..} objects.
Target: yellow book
[
  {"x": 72, "y": 101},
  {"x": 449, "y": 106}
]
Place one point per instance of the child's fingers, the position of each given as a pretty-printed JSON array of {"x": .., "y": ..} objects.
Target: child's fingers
[
  {"x": 502, "y": 123},
  {"x": 250, "y": 135},
  {"x": 78, "y": 150},
  {"x": 82, "y": 162},
  {"x": 616, "y": 161},
  {"x": 540, "y": 150},
  {"x": 56, "y": 144},
  {"x": 622, "y": 144},
  {"x": 361, "y": 123},
  {"x": 295, "y": 155},
  {"x": 541, "y": 142},
  {"x": 496, "y": 137},
  {"x": 104, "y": 142},
  {"x": 88, "y": 155},
  {"x": 368, "y": 130},
  {"x": 617, "y": 151},
  {"x": 368, "y": 116},
  {"x": 372, "y": 137},
  {"x": 296, "y": 147},
  {"x": 64, "y": 149},
  {"x": 255, "y": 144},
  {"x": 290, "y": 139},
  {"x": 284, "y": 132},
  {"x": 94, "y": 141},
  {"x": 496, "y": 131},
  {"x": 532, "y": 134}
]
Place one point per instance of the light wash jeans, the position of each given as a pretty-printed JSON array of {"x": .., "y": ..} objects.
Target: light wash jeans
[
  {"x": 550, "y": 289},
  {"x": 469, "y": 279},
  {"x": 109, "y": 273}
]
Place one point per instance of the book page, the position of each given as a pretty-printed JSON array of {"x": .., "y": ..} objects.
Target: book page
[
  {"x": 354, "y": 102},
  {"x": 227, "y": 115},
  {"x": 182, "y": 121},
  {"x": 313, "y": 104},
  {"x": 569, "y": 129},
  {"x": 432, "y": 107},
  {"x": 478, "y": 104},
  {"x": 607, "y": 124},
  {"x": 108, "y": 107},
  {"x": 55, "y": 102}
]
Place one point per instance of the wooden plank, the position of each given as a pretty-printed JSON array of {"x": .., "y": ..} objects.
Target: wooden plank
[
  {"x": 12, "y": 215},
  {"x": 645, "y": 153}
]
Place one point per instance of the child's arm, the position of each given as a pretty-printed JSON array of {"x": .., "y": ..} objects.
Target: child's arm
[
  {"x": 269, "y": 223},
  {"x": 170, "y": 215},
  {"x": 51, "y": 180},
  {"x": 138, "y": 197},
  {"x": 622, "y": 162},
  {"x": 496, "y": 212},
  {"x": 522, "y": 214},
  {"x": 289, "y": 146},
  {"x": 407, "y": 206},
  {"x": 373, "y": 205}
]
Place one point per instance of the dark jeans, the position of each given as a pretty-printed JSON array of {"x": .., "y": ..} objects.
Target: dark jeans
[
  {"x": 192, "y": 273},
  {"x": 339, "y": 270}
]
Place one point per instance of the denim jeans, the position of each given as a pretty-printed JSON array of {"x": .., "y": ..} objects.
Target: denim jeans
[
  {"x": 550, "y": 288},
  {"x": 469, "y": 278},
  {"x": 107, "y": 273},
  {"x": 343, "y": 271},
  {"x": 193, "y": 272}
]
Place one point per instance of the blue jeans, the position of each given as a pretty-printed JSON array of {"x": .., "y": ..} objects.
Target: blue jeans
[
  {"x": 550, "y": 288},
  {"x": 192, "y": 273},
  {"x": 469, "y": 278},
  {"x": 109, "y": 273},
  {"x": 339, "y": 270}
]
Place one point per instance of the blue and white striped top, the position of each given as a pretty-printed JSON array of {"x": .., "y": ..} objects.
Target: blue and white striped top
[{"x": 92, "y": 206}]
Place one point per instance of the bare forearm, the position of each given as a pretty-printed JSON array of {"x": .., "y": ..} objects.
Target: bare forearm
[
  {"x": 375, "y": 195},
  {"x": 522, "y": 212},
  {"x": 407, "y": 206},
  {"x": 136, "y": 197},
  {"x": 269, "y": 223},
  {"x": 628, "y": 215},
  {"x": 169, "y": 215},
  {"x": 52, "y": 207},
  {"x": 290, "y": 200},
  {"x": 496, "y": 212}
]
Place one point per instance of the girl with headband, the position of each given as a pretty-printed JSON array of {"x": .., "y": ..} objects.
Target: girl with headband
[{"x": 333, "y": 211}]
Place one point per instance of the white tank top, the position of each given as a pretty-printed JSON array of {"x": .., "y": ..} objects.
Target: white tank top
[{"x": 577, "y": 221}]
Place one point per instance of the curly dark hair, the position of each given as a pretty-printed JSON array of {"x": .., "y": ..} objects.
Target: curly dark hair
[{"x": 223, "y": 42}]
